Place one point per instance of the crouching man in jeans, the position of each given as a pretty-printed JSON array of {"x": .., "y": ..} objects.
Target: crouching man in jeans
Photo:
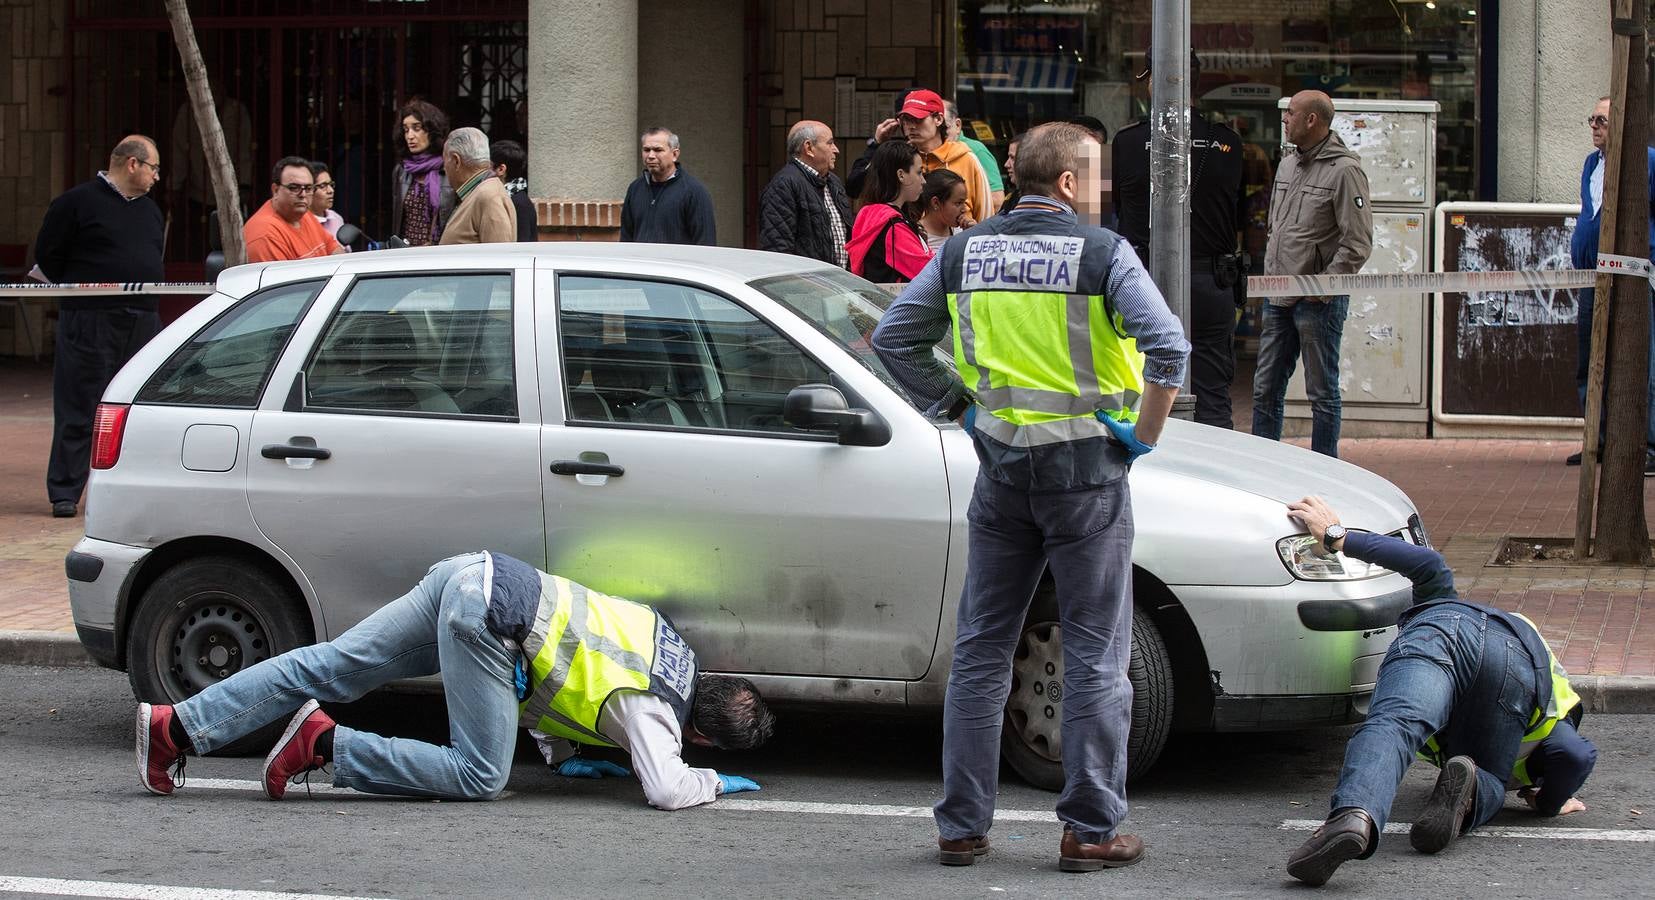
[
  {"x": 1470, "y": 688},
  {"x": 515, "y": 646}
]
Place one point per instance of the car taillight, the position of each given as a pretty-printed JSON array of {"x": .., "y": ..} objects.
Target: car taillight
[{"x": 108, "y": 427}]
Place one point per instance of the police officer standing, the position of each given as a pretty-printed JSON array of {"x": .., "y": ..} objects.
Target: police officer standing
[
  {"x": 1071, "y": 361},
  {"x": 1217, "y": 213}
]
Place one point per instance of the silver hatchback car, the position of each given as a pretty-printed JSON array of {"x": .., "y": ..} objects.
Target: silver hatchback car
[{"x": 702, "y": 429}]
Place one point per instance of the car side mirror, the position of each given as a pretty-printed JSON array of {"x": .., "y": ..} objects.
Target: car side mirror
[
  {"x": 351, "y": 236},
  {"x": 822, "y": 407}
]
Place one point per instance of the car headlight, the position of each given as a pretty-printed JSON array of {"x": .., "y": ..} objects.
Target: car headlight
[{"x": 1304, "y": 557}]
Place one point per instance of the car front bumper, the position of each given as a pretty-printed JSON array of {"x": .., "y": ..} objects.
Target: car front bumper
[{"x": 100, "y": 577}]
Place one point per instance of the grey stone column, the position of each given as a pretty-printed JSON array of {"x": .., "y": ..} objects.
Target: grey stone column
[
  {"x": 1548, "y": 84},
  {"x": 583, "y": 105}
]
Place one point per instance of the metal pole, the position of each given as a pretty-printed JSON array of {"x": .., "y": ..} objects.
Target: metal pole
[{"x": 1169, "y": 166}]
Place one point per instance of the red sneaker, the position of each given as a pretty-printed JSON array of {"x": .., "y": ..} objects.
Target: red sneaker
[
  {"x": 295, "y": 753},
  {"x": 156, "y": 751}
]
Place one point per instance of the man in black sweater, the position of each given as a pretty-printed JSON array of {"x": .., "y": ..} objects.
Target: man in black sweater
[
  {"x": 109, "y": 230},
  {"x": 666, "y": 205},
  {"x": 511, "y": 166}
]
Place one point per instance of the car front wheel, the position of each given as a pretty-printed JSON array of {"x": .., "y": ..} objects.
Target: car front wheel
[
  {"x": 204, "y": 620},
  {"x": 1031, "y": 739}
]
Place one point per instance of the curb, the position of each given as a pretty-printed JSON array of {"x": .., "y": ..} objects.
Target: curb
[
  {"x": 1615, "y": 693},
  {"x": 60, "y": 649}
]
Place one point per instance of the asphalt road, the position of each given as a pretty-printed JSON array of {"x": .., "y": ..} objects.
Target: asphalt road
[{"x": 842, "y": 814}]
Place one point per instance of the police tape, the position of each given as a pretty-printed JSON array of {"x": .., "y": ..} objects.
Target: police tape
[
  {"x": 107, "y": 289},
  {"x": 1423, "y": 282}
]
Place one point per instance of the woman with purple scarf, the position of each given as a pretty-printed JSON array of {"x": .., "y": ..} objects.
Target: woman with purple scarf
[{"x": 421, "y": 198}]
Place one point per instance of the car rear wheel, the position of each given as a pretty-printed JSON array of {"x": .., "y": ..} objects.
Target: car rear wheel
[
  {"x": 205, "y": 620},
  {"x": 1031, "y": 741}
]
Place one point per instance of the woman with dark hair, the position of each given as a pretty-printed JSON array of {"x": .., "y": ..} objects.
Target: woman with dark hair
[
  {"x": 884, "y": 246},
  {"x": 421, "y": 198},
  {"x": 321, "y": 199},
  {"x": 944, "y": 208}
]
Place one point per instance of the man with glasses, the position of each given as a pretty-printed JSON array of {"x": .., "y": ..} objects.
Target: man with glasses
[
  {"x": 106, "y": 229},
  {"x": 1583, "y": 251},
  {"x": 283, "y": 228}
]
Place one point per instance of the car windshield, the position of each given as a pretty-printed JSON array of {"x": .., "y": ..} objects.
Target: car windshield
[{"x": 846, "y": 309}]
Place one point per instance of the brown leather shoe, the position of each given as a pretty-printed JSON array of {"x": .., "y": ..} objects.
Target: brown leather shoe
[
  {"x": 1120, "y": 850},
  {"x": 962, "y": 852},
  {"x": 1452, "y": 799},
  {"x": 1346, "y": 834}
]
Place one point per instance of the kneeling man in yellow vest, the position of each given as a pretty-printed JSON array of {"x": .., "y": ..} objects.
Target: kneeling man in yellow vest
[
  {"x": 1472, "y": 689},
  {"x": 515, "y": 647}
]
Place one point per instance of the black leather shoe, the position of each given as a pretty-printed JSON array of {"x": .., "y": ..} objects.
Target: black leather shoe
[
  {"x": 1346, "y": 834},
  {"x": 64, "y": 509},
  {"x": 1573, "y": 460},
  {"x": 1451, "y": 802},
  {"x": 962, "y": 852}
]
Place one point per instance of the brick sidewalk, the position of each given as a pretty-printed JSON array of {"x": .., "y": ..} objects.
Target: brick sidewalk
[{"x": 1600, "y": 621}]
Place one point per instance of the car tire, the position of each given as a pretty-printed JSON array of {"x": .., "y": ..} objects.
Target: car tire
[
  {"x": 206, "y": 619},
  {"x": 1029, "y": 738}
]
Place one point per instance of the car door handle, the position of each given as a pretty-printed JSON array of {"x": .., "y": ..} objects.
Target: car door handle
[
  {"x": 294, "y": 451},
  {"x": 581, "y": 467}
]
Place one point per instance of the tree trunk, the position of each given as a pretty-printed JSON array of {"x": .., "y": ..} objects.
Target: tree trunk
[
  {"x": 219, "y": 166},
  {"x": 1622, "y": 533}
]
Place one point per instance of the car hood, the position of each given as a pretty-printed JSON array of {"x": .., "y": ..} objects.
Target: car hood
[{"x": 1276, "y": 471}]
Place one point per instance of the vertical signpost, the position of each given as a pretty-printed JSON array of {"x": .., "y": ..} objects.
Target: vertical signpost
[{"x": 1169, "y": 166}]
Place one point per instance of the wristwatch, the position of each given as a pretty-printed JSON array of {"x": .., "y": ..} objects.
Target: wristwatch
[{"x": 1333, "y": 533}]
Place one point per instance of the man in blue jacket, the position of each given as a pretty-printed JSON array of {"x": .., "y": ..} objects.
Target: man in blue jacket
[
  {"x": 1470, "y": 688},
  {"x": 1583, "y": 250},
  {"x": 666, "y": 205}
]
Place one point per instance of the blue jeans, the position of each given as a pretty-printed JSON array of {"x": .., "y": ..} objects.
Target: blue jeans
[
  {"x": 436, "y": 627},
  {"x": 1452, "y": 672},
  {"x": 1316, "y": 328},
  {"x": 1085, "y": 536},
  {"x": 1583, "y": 331}
]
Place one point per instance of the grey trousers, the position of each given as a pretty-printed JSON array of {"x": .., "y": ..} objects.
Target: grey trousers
[{"x": 1085, "y": 537}]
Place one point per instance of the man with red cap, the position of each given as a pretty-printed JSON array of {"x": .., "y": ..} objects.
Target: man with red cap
[{"x": 922, "y": 117}]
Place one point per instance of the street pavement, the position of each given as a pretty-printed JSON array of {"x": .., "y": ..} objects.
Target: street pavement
[{"x": 843, "y": 813}]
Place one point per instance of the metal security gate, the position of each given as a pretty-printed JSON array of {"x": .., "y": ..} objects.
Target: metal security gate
[{"x": 316, "y": 79}]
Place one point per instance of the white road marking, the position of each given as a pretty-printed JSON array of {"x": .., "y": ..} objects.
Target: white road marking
[
  {"x": 63, "y": 887},
  {"x": 248, "y": 784},
  {"x": 742, "y": 804},
  {"x": 868, "y": 809},
  {"x": 1636, "y": 835}
]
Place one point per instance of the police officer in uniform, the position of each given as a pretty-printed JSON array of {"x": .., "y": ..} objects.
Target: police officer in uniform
[
  {"x": 1217, "y": 213},
  {"x": 1071, "y": 361},
  {"x": 1470, "y": 688},
  {"x": 515, "y": 646}
]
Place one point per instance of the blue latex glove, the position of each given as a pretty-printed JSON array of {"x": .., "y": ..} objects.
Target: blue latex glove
[
  {"x": 735, "y": 784},
  {"x": 575, "y": 767},
  {"x": 521, "y": 676},
  {"x": 1127, "y": 434},
  {"x": 969, "y": 420}
]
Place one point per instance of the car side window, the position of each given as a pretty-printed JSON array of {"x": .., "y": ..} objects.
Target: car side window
[
  {"x": 228, "y": 362},
  {"x": 664, "y": 354},
  {"x": 427, "y": 344}
]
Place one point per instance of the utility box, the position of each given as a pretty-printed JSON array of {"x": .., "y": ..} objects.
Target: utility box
[{"x": 1382, "y": 361}]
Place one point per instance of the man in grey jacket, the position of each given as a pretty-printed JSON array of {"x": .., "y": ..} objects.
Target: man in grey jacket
[{"x": 1320, "y": 223}]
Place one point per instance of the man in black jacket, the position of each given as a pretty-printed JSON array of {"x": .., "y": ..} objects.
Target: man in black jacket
[
  {"x": 804, "y": 210},
  {"x": 104, "y": 230},
  {"x": 665, "y": 205}
]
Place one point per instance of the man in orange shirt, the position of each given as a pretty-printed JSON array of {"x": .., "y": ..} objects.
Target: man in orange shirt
[
  {"x": 283, "y": 228},
  {"x": 922, "y": 123}
]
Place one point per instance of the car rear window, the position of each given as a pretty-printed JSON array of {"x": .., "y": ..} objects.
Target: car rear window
[{"x": 227, "y": 363}]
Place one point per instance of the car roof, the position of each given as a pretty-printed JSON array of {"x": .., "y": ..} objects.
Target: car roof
[{"x": 745, "y": 264}]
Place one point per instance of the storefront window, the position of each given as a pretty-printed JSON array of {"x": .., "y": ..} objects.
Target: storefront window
[{"x": 1020, "y": 63}]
